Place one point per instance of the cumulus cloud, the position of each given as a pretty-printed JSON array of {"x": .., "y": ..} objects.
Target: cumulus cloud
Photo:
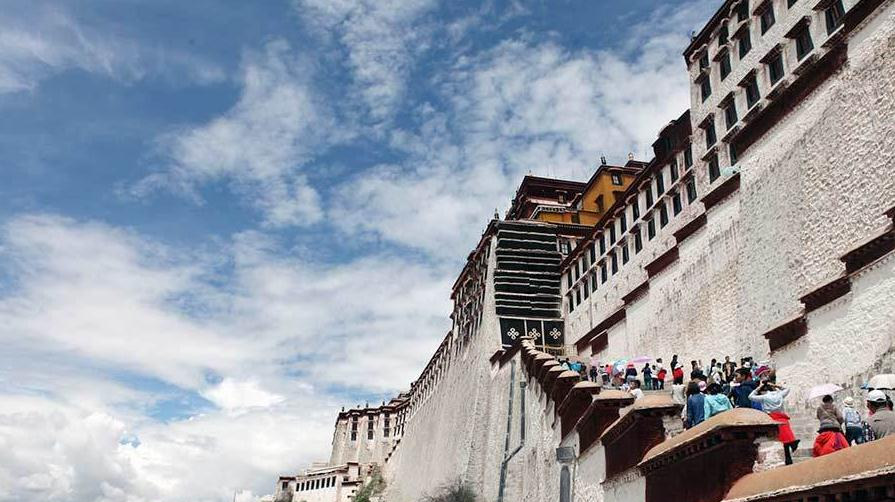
[
  {"x": 260, "y": 144},
  {"x": 526, "y": 105},
  {"x": 122, "y": 325},
  {"x": 38, "y": 40}
]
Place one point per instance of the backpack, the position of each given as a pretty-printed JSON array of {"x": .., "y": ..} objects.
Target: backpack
[{"x": 852, "y": 417}]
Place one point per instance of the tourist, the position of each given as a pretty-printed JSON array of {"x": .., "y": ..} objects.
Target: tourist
[
  {"x": 716, "y": 374},
  {"x": 647, "y": 376},
  {"x": 828, "y": 415},
  {"x": 696, "y": 372},
  {"x": 854, "y": 429},
  {"x": 594, "y": 374},
  {"x": 771, "y": 397},
  {"x": 881, "y": 419},
  {"x": 829, "y": 434},
  {"x": 660, "y": 374},
  {"x": 730, "y": 369},
  {"x": 635, "y": 389},
  {"x": 741, "y": 388},
  {"x": 715, "y": 402},
  {"x": 678, "y": 395},
  {"x": 630, "y": 373},
  {"x": 695, "y": 405},
  {"x": 677, "y": 373}
]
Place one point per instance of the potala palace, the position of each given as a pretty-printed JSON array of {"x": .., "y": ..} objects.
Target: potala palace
[{"x": 762, "y": 227}]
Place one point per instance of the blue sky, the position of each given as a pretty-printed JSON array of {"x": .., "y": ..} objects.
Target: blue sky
[{"x": 221, "y": 221}]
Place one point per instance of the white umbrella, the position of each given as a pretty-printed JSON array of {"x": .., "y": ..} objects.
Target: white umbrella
[
  {"x": 886, "y": 381},
  {"x": 827, "y": 389}
]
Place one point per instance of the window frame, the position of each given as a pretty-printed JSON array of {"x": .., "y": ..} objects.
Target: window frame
[
  {"x": 711, "y": 135},
  {"x": 767, "y": 18},
  {"x": 691, "y": 190},
  {"x": 750, "y": 88},
  {"x": 744, "y": 44},
  {"x": 772, "y": 65},
  {"x": 663, "y": 215},
  {"x": 804, "y": 43},
  {"x": 742, "y": 11},
  {"x": 705, "y": 88},
  {"x": 724, "y": 67},
  {"x": 730, "y": 114},
  {"x": 713, "y": 168},
  {"x": 831, "y": 23}
]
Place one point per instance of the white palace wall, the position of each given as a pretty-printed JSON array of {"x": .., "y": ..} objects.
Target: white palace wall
[
  {"x": 459, "y": 426},
  {"x": 814, "y": 186},
  {"x": 811, "y": 188}
]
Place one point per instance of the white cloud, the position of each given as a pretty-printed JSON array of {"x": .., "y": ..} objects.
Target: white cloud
[
  {"x": 95, "y": 312},
  {"x": 38, "y": 40},
  {"x": 260, "y": 144},
  {"x": 382, "y": 40},
  {"x": 523, "y": 106},
  {"x": 238, "y": 396}
]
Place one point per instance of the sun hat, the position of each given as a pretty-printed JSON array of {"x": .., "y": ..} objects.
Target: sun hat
[
  {"x": 848, "y": 402},
  {"x": 876, "y": 396}
]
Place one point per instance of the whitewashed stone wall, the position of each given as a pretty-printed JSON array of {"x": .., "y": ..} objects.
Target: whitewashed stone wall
[
  {"x": 815, "y": 185},
  {"x": 812, "y": 187}
]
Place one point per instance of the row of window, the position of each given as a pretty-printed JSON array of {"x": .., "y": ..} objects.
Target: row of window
[
  {"x": 386, "y": 429},
  {"x": 774, "y": 69},
  {"x": 767, "y": 18},
  {"x": 622, "y": 243},
  {"x": 313, "y": 484}
]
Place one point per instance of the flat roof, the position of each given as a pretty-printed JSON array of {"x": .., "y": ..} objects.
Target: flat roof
[{"x": 863, "y": 461}]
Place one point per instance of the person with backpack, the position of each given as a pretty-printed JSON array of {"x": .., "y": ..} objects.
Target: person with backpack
[{"x": 854, "y": 427}]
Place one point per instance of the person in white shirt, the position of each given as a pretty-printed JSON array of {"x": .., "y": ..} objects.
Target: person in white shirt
[{"x": 635, "y": 389}]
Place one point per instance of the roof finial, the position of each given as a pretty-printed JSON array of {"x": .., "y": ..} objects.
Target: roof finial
[
  {"x": 602, "y": 160},
  {"x": 630, "y": 155},
  {"x": 496, "y": 214}
]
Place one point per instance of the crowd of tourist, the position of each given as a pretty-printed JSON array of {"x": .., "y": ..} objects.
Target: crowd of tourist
[{"x": 721, "y": 386}]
